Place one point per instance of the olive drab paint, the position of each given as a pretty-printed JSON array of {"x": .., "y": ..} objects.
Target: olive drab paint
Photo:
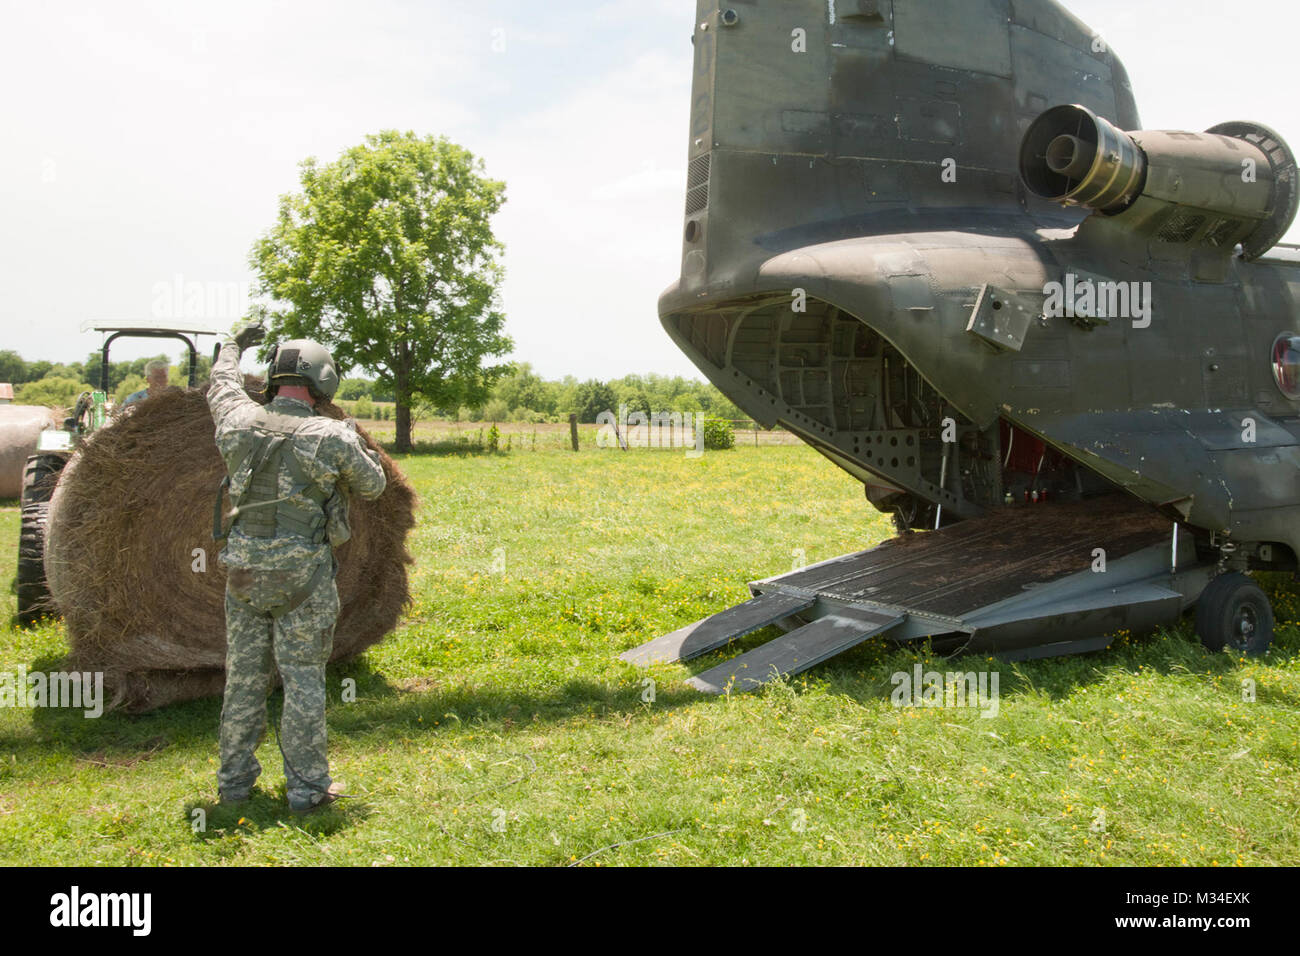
[{"x": 935, "y": 177}]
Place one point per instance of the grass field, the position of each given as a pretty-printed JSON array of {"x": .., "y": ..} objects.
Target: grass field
[{"x": 496, "y": 725}]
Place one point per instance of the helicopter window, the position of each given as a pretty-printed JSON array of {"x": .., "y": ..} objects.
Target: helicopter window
[{"x": 1286, "y": 365}]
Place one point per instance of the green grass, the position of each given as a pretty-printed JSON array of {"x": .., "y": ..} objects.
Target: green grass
[{"x": 496, "y": 725}]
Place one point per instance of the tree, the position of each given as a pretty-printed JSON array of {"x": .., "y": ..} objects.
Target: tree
[
  {"x": 132, "y": 383},
  {"x": 120, "y": 370},
  {"x": 116, "y": 371},
  {"x": 387, "y": 257},
  {"x": 12, "y": 367},
  {"x": 351, "y": 389},
  {"x": 51, "y": 392},
  {"x": 593, "y": 397},
  {"x": 179, "y": 373},
  {"x": 632, "y": 392},
  {"x": 524, "y": 388}
]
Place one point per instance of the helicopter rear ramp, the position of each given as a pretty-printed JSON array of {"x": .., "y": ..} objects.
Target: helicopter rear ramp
[{"x": 1025, "y": 582}]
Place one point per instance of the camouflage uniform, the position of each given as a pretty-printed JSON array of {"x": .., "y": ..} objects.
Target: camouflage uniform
[{"x": 281, "y": 601}]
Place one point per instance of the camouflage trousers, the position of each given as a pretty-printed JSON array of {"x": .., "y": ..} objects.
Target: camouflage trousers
[{"x": 298, "y": 643}]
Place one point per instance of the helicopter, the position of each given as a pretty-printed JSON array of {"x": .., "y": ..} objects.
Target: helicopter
[{"x": 933, "y": 239}]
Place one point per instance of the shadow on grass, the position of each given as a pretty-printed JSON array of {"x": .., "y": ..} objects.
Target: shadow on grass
[
  {"x": 866, "y": 672},
  {"x": 423, "y": 705},
  {"x": 428, "y": 707},
  {"x": 446, "y": 449},
  {"x": 263, "y": 811},
  {"x": 863, "y": 674},
  {"x": 420, "y": 706},
  {"x": 114, "y": 738},
  {"x": 16, "y": 623}
]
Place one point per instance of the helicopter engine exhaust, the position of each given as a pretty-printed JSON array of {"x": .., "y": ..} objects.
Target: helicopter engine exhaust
[{"x": 1234, "y": 183}]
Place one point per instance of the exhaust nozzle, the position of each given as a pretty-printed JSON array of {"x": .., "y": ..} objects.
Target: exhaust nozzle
[
  {"x": 1234, "y": 183},
  {"x": 1072, "y": 155}
]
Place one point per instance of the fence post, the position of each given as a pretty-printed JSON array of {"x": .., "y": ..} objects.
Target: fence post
[{"x": 573, "y": 430}]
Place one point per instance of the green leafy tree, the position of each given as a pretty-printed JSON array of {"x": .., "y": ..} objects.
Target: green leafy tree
[
  {"x": 351, "y": 389},
  {"x": 637, "y": 400},
  {"x": 387, "y": 257},
  {"x": 132, "y": 383},
  {"x": 60, "y": 370},
  {"x": 591, "y": 398},
  {"x": 12, "y": 367},
  {"x": 51, "y": 392},
  {"x": 118, "y": 371},
  {"x": 40, "y": 369},
  {"x": 179, "y": 372},
  {"x": 524, "y": 388}
]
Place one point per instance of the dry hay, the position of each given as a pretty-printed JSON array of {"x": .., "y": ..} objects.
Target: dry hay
[{"x": 128, "y": 513}]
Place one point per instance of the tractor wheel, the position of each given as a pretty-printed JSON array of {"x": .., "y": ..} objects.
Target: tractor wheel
[
  {"x": 33, "y": 595},
  {"x": 40, "y": 475},
  {"x": 1234, "y": 613}
]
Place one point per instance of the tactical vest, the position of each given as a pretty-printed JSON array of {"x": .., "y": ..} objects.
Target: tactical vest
[{"x": 253, "y": 479}]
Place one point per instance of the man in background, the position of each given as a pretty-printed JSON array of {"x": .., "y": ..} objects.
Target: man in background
[{"x": 155, "y": 374}]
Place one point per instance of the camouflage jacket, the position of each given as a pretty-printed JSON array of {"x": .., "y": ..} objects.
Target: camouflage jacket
[{"x": 330, "y": 452}]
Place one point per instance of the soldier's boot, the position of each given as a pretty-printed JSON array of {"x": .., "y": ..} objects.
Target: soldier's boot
[{"x": 319, "y": 799}]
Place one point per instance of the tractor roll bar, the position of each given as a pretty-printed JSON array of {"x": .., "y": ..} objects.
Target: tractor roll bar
[{"x": 148, "y": 333}]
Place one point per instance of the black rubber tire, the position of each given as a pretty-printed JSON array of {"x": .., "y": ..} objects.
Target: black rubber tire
[
  {"x": 40, "y": 475},
  {"x": 33, "y": 594},
  {"x": 1233, "y": 613}
]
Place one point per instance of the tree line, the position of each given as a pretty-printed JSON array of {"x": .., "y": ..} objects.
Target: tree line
[
  {"x": 520, "y": 395},
  {"x": 57, "y": 384}
]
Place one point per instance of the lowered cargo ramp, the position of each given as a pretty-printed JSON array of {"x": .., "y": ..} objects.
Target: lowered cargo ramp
[{"x": 1027, "y": 581}]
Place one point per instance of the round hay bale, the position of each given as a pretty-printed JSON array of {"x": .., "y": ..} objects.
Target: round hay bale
[
  {"x": 129, "y": 517},
  {"x": 20, "y": 429}
]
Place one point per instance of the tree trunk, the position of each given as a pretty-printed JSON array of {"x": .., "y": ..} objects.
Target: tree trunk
[
  {"x": 403, "y": 422},
  {"x": 402, "y": 393}
]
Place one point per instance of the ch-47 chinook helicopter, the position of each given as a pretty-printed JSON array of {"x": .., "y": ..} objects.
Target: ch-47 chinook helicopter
[{"x": 1076, "y": 363}]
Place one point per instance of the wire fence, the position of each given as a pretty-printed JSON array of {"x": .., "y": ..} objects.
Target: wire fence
[{"x": 444, "y": 435}]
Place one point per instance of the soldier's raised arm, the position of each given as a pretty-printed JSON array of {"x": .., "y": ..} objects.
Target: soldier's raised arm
[{"x": 226, "y": 383}]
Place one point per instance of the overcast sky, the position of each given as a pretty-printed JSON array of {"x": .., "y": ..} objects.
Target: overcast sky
[{"x": 146, "y": 144}]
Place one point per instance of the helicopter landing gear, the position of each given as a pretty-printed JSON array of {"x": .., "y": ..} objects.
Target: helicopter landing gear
[
  {"x": 905, "y": 516},
  {"x": 1234, "y": 613}
]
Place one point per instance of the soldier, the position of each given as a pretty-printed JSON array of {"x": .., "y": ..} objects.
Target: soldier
[{"x": 289, "y": 472}]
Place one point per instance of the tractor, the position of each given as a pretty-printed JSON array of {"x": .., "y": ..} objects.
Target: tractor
[{"x": 56, "y": 447}]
